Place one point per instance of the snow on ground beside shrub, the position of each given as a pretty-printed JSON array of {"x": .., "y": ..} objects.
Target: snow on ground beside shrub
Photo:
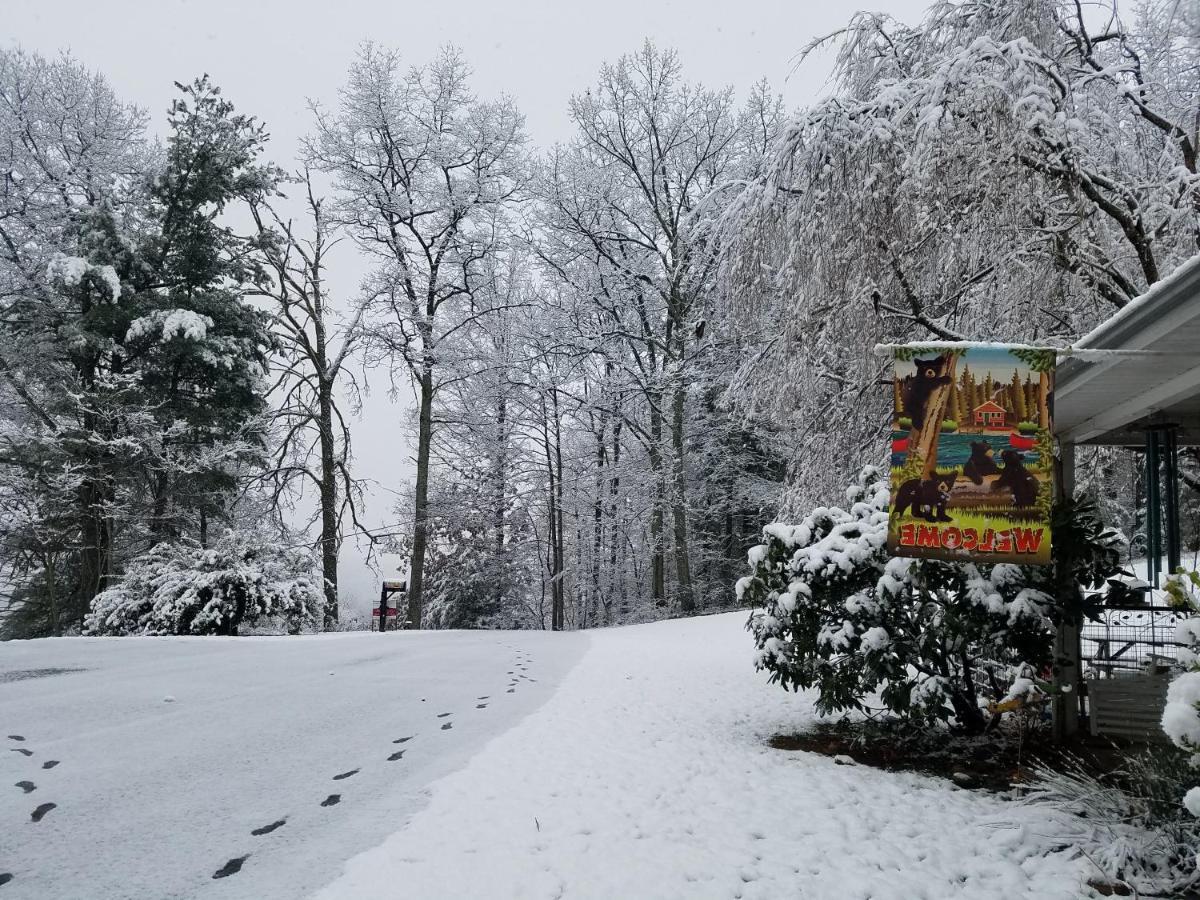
[
  {"x": 271, "y": 759},
  {"x": 648, "y": 775}
]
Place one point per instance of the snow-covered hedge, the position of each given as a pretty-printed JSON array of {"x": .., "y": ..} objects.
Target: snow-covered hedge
[
  {"x": 835, "y": 612},
  {"x": 183, "y": 588},
  {"x": 1181, "y": 717}
]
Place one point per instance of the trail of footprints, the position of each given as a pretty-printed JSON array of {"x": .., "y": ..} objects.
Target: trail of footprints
[
  {"x": 234, "y": 865},
  {"x": 28, "y": 787}
]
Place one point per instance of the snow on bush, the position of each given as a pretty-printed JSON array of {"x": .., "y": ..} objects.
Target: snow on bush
[
  {"x": 1128, "y": 820},
  {"x": 182, "y": 588},
  {"x": 835, "y": 612},
  {"x": 1181, "y": 716}
]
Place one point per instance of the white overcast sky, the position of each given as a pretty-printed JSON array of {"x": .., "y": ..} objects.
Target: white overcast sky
[{"x": 271, "y": 56}]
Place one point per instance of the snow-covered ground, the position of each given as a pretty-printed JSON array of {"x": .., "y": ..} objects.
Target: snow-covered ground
[
  {"x": 647, "y": 775},
  {"x": 625, "y": 763},
  {"x": 153, "y": 796}
]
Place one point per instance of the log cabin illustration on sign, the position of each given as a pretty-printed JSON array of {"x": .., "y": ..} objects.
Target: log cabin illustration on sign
[{"x": 972, "y": 462}]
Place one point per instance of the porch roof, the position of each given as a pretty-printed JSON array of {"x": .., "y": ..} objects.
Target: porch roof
[{"x": 1112, "y": 400}]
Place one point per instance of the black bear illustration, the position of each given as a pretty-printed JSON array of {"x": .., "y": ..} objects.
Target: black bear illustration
[
  {"x": 917, "y": 388},
  {"x": 981, "y": 462},
  {"x": 927, "y": 498},
  {"x": 1024, "y": 486}
]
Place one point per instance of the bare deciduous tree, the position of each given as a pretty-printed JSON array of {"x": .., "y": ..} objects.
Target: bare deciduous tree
[
  {"x": 998, "y": 169},
  {"x": 310, "y": 367},
  {"x": 424, "y": 174}
]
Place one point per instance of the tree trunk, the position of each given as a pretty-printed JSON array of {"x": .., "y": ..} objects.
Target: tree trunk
[
  {"x": 95, "y": 554},
  {"x": 158, "y": 518},
  {"x": 924, "y": 447},
  {"x": 161, "y": 526},
  {"x": 52, "y": 594},
  {"x": 554, "y": 515},
  {"x": 683, "y": 564},
  {"x": 616, "y": 576},
  {"x": 329, "y": 503},
  {"x": 598, "y": 525},
  {"x": 559, "y": 587},
  {"x": 416, "y": 578},
  {"x": 500, "y": 481},
  {"x": 658, "y": 579},
  {"x": 581, "y": 595},
  {"x": 658, "y": 567}
]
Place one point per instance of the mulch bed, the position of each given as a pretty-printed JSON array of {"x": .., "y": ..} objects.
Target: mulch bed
[{"x": 994, "y": 762}]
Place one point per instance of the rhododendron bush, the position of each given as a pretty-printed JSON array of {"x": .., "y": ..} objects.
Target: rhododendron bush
[
  {"x": 925, "y": 639},
  {"x": 1181, "y": 716},
  {"x": 182, "y": 588}
]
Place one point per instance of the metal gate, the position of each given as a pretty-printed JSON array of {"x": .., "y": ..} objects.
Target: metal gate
[{"x": 1129, "y": 658}]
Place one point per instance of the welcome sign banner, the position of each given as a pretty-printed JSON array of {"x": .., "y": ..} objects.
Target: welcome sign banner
[{"x": 972, "y": 468}]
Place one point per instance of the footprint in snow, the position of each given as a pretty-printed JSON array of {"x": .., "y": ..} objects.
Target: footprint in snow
[
  {"x": 395, "y": 756},
  {"x": 27, "y": 786},
  {"x": 484, "y": 697},
  {"x": 332, "y": 800},
  {"x": 21, "y": 750},
  {"x": 481, "y": 706},
  {"x": 447, "y": 726},
  {"x": 442, "y": 715},
  {"x": 267, "y": 829},
  {"x": 50, "y": 764},
  {"x": 232, "y": 867},
  {"x": 511, "y": 691},
  {"x": 40, "y": 812},
  {"x": 404, "y": 740},
  {"x": 5, "y": 877},
  {"x": 16, "y": 737},
  {"x": 345, "y": 775}
]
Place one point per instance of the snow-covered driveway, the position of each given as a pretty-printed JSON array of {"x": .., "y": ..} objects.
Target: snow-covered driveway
[
  {"x": 647, "y": 776},
  {"x": 322, "y": 745}
]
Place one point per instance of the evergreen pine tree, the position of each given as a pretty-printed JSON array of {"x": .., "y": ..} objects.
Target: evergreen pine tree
[
  {"x": 1020, "y": 409},
  {"x": 201, "y": 348}
]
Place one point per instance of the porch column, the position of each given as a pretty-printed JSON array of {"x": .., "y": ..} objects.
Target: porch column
[
  {"x": 1066, "y": 639},
  {"x": 1169, "y": 442}
]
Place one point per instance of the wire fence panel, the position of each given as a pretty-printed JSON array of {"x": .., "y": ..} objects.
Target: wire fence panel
[{"x": 1130, "y": 640}]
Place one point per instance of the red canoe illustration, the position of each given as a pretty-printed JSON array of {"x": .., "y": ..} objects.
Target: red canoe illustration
[
  {"x": 900, "y": 445},
  {"x": 1021, "y": 442}
]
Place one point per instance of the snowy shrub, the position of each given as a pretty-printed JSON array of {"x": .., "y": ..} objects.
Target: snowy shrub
[
  {"x": 183, "y": 588},
  {"x": 1181, "y": 716},
  {"x": 933, "y": 641},
  {"x": 1130, "y": 822}
]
